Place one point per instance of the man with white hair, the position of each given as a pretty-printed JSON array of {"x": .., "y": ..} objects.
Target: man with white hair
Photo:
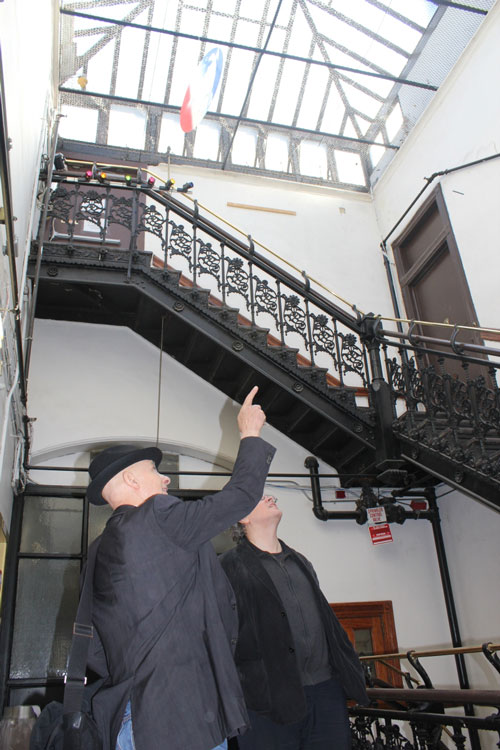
[{"x": 163, "y": 609}]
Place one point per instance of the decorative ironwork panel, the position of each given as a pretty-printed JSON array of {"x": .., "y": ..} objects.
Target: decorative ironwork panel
[
  {"x": 266, "y": 299},
  {"x": 180, "y": 243},
  {"x": 351, "y": 355},
  {"x": 209, "y": 261},
  {"x": 121, "y": 211},
  {"x": 93, "y": 209},
  {"x": 238, "y": 279},
  {"x": 294, "y": 317},
  {"x": 152, "y": 221}
]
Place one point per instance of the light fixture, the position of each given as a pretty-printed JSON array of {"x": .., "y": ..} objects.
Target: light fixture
[
  {"x": 168, "y": 185},
  {"x": 60, "y": 162},
  {"x": 89, "y": 174},
  {"x": 102, "y": 176},
  {"x": 128, "y": 179},
  {"x": 151, "y": 181},
  {"x": 187, "y": 186}
]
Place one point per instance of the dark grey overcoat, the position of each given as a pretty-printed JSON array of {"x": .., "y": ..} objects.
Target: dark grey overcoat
[{"x": 166, "y": 615}]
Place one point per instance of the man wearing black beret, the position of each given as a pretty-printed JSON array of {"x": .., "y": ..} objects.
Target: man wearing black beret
[{"x": 163, "y": 609}]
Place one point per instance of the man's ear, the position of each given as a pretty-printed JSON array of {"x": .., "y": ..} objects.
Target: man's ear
[
  {"x": 245, "y": 521},
  {"x": 130, "y": 479}
]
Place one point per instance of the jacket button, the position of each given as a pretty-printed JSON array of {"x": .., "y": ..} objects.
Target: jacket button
[
  {"x": 291, "y": 650},
  {"x": 283, "y": 614},
  {"x": 233, "y": 605},
  {"x": 233, "y": 641}
]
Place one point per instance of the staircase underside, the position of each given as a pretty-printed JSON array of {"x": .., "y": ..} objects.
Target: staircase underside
[{"x": 212, "y": 341}]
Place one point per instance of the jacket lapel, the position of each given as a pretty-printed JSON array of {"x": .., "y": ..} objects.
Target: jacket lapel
[{"x": 253, "y": 564}]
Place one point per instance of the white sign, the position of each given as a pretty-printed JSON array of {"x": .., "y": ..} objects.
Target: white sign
[{"x": 376, "y": 515}]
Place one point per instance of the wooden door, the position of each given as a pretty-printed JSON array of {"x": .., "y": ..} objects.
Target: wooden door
[
  {"x": 371, "y": 630},
  {"x": 432, "y": 278}
]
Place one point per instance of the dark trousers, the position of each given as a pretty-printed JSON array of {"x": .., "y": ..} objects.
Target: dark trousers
[{"x": 324, "y": 727}]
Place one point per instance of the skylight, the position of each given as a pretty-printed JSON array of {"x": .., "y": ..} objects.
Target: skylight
[{"x": 310, "y": 90}]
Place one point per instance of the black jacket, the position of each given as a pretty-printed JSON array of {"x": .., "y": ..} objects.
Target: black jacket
[
  {"x": 166, "y": 615},
  {"x": 265, "y": 655}
]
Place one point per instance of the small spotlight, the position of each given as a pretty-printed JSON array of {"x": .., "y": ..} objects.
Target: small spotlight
[
  {"x": 60, "y": 162},
  {"x": 151, "y": 181},
  {"x": 102, "y": 176},
  {"x": 128, "y": 179},
  {"x": 168, "y": 185},
  {"x": 89, "y": 174},
  {"x": 187, "y": 186}
]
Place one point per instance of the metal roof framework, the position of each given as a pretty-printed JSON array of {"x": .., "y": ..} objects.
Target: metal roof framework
[{"x": 321, "y": 91}]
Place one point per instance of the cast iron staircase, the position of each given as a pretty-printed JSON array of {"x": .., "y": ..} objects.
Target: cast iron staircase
[{"x": 364, "y": 400}]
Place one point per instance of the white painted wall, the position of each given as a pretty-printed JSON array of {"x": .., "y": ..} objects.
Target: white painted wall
[
  {"x": 460, "y": 126},
  {"x": 95, "y": 383},
  {"x": 29, "y": 65}
]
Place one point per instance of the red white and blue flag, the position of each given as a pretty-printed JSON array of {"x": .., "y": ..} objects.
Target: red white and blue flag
[{"x": 201, "y": 89}]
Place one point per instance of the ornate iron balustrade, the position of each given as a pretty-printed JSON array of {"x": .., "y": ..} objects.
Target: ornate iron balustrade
[
  {"x": 448, "y": 401},
  {"x": 131, "y": 219},
  {"x": 420, "y": 712},
  {"x": 436, "y": 393}
]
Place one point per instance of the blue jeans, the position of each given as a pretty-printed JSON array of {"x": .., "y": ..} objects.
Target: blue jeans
[{"x": 125, "y": 739}]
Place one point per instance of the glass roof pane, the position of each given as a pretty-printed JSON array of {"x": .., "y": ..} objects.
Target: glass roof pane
[
  {"x": 237, "y": 81},
  {"x": 349, "y": 167},
  {"x": 206, "y": 144},
  {"x": 191, "y": 21},
  {"x": 394, "y": 122},
  {"x": 244, "y": 147},
  {"x": 171, "y": 135},
  {"x": 78, "y": 124},
  {"x": 253, "y": 9},
  {"x": 301, "y": 36},
  {"x": 127, "y": 127},
  {"x": 186, "y": 61},
  {"x": 247, "y": 32},
  {"x": 276, "y": 157},
  {"x": 263, "y": 89},
  {"x": 157, "y": 67},
  {"x": 224, "y": 6},
  {"x": 286, "y": 101},
  {"x": 360, "y": 101},
  {"x": 219, "y": 27},
  {"x": 129, "y": 68},
  {"x": 314, "y": 94},
  {"x": 380, "y": 22},
  {"x": 100, "y": 70},
  {"x": 419, "y": 11},
  {"x": 334, "y": 112},
  {"x": 376, "y": 152},
  {"x": 313, "y": 159},
  {"x": 359, "y": 42}
]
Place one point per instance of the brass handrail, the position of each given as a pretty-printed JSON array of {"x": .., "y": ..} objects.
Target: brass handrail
[
  {"x": 444, "y": 325},
  {"x": 434, "y": 652},
  {"x": 353, "y": 307},
  {"x": 236, "y": 229}
]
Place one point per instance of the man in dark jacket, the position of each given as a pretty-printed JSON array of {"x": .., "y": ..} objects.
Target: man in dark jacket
[
  {"x": 163, "y": 608},
  {"x": 295, "y": 661}
]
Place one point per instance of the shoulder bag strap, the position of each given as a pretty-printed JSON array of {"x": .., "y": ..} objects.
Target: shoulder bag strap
[{"x": 83, "y": 633}]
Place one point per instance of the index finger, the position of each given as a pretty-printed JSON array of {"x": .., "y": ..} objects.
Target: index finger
[{"x": 249, "y": 398}]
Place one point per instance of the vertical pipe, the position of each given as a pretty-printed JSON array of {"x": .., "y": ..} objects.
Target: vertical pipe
[
  {"x": 40, "y": 241},
  {"x": 9, "y": 597},
  {"x": 451, "y": 611}
]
